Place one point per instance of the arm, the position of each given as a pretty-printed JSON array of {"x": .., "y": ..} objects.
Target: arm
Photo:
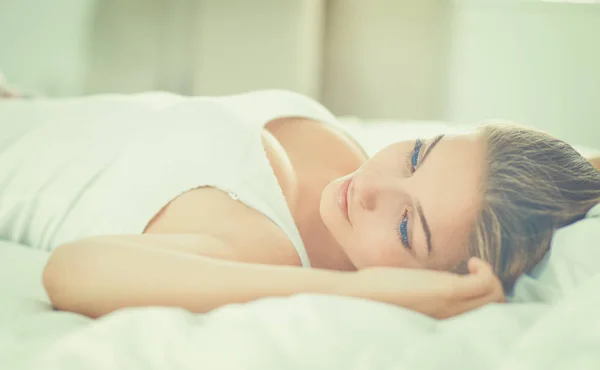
[{"x": 97, "y": 276}]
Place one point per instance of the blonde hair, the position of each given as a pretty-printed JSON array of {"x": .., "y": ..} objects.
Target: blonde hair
[{"x": 534, "y": 185}]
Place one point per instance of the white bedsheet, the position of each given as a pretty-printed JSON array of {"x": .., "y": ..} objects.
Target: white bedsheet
[{"x": 300, "y": 332}]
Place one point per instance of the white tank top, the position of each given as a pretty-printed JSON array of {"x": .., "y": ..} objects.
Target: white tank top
[{"x": 106, "y": 165}]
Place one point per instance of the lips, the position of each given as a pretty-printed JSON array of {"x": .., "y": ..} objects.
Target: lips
[{"x": 343, "y": 198}]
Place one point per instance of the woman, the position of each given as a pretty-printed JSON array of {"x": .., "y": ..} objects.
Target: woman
[{"x": 210, "y": 201}]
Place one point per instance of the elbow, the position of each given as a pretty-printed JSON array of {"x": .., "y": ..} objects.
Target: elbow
[{"x": 60, "y": 275}]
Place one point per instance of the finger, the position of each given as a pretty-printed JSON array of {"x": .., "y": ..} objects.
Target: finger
[
  {"x": 477, "y": 266},
  {"x": 479, "y": 281},
  {"x": 473, "y": 285}
]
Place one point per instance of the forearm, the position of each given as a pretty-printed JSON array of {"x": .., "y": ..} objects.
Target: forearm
[
  {"x": 98, "y": 276},
  {"x": 103, "y": 278}
]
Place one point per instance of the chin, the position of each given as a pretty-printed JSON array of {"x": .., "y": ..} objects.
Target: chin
[
  {"x": 330, "y": 213},
  {"x": 326, "y": 204}
]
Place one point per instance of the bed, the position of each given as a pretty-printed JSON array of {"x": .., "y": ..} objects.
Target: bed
[{"x": 552, "y": 322}]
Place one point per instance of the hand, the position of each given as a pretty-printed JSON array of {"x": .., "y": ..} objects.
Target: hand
[
  {"x": 435, "y": 293},
  {"x": 479, "y": 287}
]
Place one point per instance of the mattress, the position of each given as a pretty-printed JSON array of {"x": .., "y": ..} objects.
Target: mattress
[{"x": 553, "y": 321}]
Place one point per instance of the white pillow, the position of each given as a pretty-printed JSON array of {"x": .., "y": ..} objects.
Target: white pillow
[{"x": 572, "y": 260}]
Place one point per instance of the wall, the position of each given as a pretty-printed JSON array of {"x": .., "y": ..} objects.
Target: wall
[
  {"x": 462, "y": 60},
  {"x": 207, "y": 47},
  {"x": 385, "y": 58},
  {"x": 43, "y": 43},
  {"x": 247, "y": 45},
  {"x": 534, "y": 62},
  {"x": 73, "y": 47}
]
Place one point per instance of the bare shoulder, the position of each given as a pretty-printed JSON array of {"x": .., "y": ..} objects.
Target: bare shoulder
[{"x": 306, "y": 141}]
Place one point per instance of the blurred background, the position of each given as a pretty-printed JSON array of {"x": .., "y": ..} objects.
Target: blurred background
[{"x": 532, "y": 61}]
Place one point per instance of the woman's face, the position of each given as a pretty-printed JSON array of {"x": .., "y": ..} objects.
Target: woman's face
[{"x": 410, "y": 205}]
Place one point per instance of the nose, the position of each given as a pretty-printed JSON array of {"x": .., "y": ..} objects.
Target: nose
[{"x": 370, "y": 188}]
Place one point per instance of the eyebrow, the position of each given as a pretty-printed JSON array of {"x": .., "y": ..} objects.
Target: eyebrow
[
  {"x": 425, "y": 227},
  {"x": 430, "y": 146},
  {"x": 422, "y": 217}
]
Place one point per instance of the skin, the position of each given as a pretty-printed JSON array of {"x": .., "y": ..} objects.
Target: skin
[
  {"x": 595, "y": 162},
  {"x": 385, "y": 187}
]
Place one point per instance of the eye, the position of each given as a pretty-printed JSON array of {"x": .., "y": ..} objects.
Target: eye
[
  {"x": 414, "y": 158},
  {"x": 402, "y": 230}
]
